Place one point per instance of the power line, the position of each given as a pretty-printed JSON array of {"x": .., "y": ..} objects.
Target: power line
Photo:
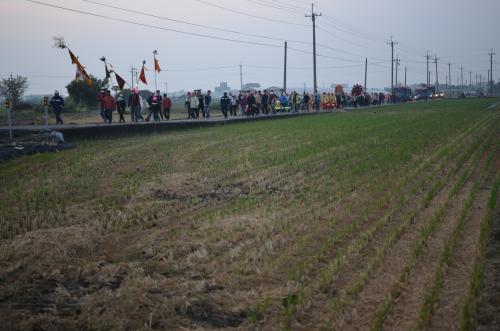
[
  {"x": 216, "y": 28},
  {"x": 191, "y": 23},
  {"x": 275, "y": 6},
  {"x": 319, "y": 27},
  {"x": 249, "y": 15},
  {"x": 153, "y": 26}
]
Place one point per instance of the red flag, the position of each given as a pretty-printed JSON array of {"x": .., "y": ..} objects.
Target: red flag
[
  {"x": 157, "y": 66},
  {"x": 120, "y": 81},
  {"x": 156, "y": 61},
  {"x": 142, "y": 76}
]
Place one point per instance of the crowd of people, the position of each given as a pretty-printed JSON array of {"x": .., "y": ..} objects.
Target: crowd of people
[
  {"x": 251, "y": 103},
  {"x": 158, "y": 106},
  {"x": 244, "y": 103}
]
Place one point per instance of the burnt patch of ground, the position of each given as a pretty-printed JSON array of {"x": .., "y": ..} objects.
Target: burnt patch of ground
[
  {"x": 31, "y": 143},
  {"x": 9, "y": 152},
  {"x": 209, "y": 315},
  {"x": 57, "y": 296}
]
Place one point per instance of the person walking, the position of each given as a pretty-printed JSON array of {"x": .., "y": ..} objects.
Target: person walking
[
  {"x": 225, "y": 103},
  {"x": 57, "y": 104},
  {"x": 208, "y": 103},
  {"x": 283, "y": 102},
  {"x": 194, "y": 106},
  {"x": 295, "y": 102},
  {"x": 251, "y": 104},
  {"x": 201, "y": 105},
  {"x": 154, "y": 102},
  {"x": 258, "y": 102},
  {"x": 166, "y": 105},
  {"x": 307, "y": 100},
  {"x": 241, "y": 103},
  {"x": 265, "y": 103},
  {"x": 100, "y": 99},
  {"x": 134, "y": 103},
  {"x": 120, "y": 107},
  {"x": 109, "y": 106},
  {"x": 234, "y": 104}
]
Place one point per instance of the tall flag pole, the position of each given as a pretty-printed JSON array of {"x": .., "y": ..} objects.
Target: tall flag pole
[
  {"x": 81, "y": 73},
  {"x": 142, "y": 76},
  {"x": 157, "y": 66}
]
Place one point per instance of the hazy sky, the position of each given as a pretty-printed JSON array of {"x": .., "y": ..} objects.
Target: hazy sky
[{"x": 458, "y": 31}]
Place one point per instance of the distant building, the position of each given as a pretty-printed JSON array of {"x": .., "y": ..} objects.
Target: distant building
[
  {"x": 252, "y": 86},
  {"x": 222, "y": 88}
]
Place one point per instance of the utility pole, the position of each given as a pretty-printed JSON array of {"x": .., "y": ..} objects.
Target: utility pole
[
  {"x": 428, "y": 57},
  {"x": 284, "y": 75},
  {"x": 241, "y": 76},
  {"x": 392, "y": 43},
  {"x": 437, "y": 74},
  {"x": 366, "y": 72},
  {"x": 397, "y": 69},
  {"x": 491, "y": 72},
  {"x": 313, "y": 17},
  {"x": 449, "y": 75},
  {"x": 462, "y": 77},
  {"x": 166, "y": 88},
  {"x": 133, "y": 71},
  {"x": 488, "y": 84},
  {"x": 406, "y": 72}
]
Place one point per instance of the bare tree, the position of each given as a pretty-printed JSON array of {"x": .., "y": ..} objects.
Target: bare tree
[{"x": 13, "y": 88}]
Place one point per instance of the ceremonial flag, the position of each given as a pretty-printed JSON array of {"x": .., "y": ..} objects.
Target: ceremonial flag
[
  {"x": 120, "y": 81},
  {"x": 74, "y": 59},
  {"x": 157, "y": 62},
  {"x": 80, "y": 69},
  {"x": 142, "y": 76}
]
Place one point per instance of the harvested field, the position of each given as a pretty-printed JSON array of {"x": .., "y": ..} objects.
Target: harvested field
[{"x": 367, "y": 220}]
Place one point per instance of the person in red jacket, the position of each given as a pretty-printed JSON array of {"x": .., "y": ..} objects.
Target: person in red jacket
[
  {"x": 166, "y": 105},
  {"x": 109, "y": 106}
]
